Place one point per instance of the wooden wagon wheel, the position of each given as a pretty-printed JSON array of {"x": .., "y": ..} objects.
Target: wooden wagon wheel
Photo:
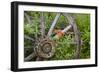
[{"x": 37, "y": 50}]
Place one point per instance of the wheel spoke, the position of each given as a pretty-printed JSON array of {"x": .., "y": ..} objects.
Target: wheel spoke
[
  {"x": 53, "y": 24},
  {"x": 28, "y": 47},
  {"x": 32, "y": 55},
  {"x": 29, "y": 38},
  {"x": 28, "y": 18},
  {"x": 42, "y": 25},
  {"x": 67, "y": 28}
]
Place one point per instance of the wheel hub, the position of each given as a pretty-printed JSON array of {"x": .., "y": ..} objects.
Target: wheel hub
[{"x": 46, "y": 48}]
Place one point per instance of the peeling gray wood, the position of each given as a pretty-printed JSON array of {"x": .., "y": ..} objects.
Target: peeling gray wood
[
  {"x": 29, "y": 38},
  {"x": 28, "y": 18},
  {"x": 67, "y": 28},
  {"x": 53, "y": 24},
  {"x": 32, "y": 55},
  {"x": 42, "y": 25},
  {"x": 28, "y": 47}
]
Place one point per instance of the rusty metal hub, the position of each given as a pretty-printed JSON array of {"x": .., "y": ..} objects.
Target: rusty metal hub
[{"x": 46, "y": 48}]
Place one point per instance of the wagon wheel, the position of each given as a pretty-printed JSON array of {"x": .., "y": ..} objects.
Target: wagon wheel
[{"x": 43, "y": 54}]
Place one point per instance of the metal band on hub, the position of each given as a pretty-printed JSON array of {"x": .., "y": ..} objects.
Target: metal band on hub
[{"x": 46, "y": 48}]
